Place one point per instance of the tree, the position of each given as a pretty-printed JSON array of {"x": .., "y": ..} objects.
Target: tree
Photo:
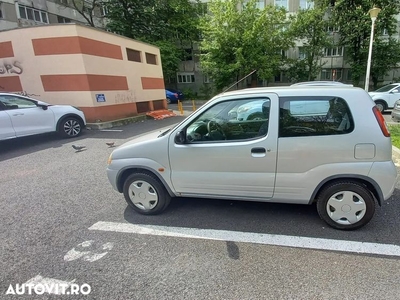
[
  {"x": 238, "y": 38},
  {"x": 309, "y": 26},
  {"x": 88, "y": 9},
  {"x": 169, "y": 24},
  {"x": 386, "y": 56},
  {"x": 355, "y": 26}
]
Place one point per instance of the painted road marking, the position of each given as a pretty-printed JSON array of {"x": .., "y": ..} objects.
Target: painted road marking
[
  {"x": 249, "y": 237},
  {"x": 87, "y": 255},
  {"x": 112, "y": 130}
]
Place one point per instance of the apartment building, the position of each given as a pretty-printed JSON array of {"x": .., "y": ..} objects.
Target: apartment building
[
  {"x": 333, "y": 64},
  {"x": 26, "y": 13}
]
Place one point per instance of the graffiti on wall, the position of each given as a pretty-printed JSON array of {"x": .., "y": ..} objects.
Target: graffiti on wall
[
  {"x": 14, "y": 67},
  {"x": 125, "y": 97},
  {"x": 24, "y": 93}
]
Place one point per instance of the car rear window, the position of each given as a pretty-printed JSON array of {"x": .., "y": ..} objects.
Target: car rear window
[{"x": 313, "y": 116}]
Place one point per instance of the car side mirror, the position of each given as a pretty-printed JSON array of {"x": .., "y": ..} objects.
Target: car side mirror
[
  {"x": 180, "y": 137},
  {"x": 43, "y": 106},
  {"x": 394, "y": 91}
]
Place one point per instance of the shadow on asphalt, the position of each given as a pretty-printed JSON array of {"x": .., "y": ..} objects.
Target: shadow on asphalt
[
  {"x": 271, "y": 218},
  {"x": 26, "y": 145}
]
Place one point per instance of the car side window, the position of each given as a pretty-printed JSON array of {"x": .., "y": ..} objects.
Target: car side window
[
  {"x": 233, "y": 120},
  {"x": 15, "y": 102},
  {"x": 313, "y": 116}
]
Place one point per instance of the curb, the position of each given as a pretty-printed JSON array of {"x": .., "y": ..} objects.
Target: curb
[
  {"x": 111, "y": 124},
  {"x": 395, "y": 153}
]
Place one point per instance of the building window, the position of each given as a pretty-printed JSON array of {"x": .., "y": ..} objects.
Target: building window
[
  {"x": 337, "y": 51},
  {"x": 29, "y": 13},
  {"x": 349, "y": 75},
  {"x": 306, "y": 4},
  {"x": 202, "y": 8},
  {"x": 103, "y": 11},
  {"x": 331, "y": 74},
  {"x": 63, "y": 20},
  {"x": 188, "y": 54},
  {"x": 282, "y": 3},
  {"x": 260, "y": 4},
  {"x": 185, "y": 77},
  {"x": 302, "y": 53},
  {"x": 332, "y": 29},
  {"x": 206, "y": 78},
  {"x": 133, "y": 55},
  {"x": 151, "y": 58},
  {"x": 385, "y": 32},
  {"x": 1, "y": 11}
]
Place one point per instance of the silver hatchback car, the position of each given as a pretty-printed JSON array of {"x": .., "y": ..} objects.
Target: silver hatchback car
[{"x": 327, "y": 145}]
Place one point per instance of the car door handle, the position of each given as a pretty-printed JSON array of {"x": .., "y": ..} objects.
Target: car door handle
[
  {"x": 18, "y": 114},
  {"x": 258, "y": 150}
]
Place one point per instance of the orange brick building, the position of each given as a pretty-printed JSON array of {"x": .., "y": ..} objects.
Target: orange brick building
[{"x": 108, "y": 76}]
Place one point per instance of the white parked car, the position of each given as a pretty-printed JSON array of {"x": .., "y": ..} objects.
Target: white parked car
[
  {"x": 23, "y": 116},
  {"x": 327, "y": 145},
  {"x": 386, "y": 96}
]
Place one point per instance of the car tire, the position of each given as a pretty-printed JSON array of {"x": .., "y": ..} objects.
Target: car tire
[
  {"x": 70, "y": 127},
  {"x": 346, "y": 205},
  {"x": 146, "y": 194},
  {"x": 381, "y": 105},
  {"x": 168, "y": 100}
]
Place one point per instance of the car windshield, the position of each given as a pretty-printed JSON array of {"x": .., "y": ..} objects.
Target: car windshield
[{"x": 386, "y": 88}]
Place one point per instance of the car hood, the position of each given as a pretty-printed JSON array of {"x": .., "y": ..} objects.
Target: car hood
[
  {"x": 376, "y": 93},
  {"x": 145, "y": 137}
]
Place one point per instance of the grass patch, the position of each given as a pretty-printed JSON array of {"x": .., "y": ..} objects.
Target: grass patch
[{"x": 395, "y": 135}]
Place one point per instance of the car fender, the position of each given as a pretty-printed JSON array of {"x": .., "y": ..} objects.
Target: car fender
[{"x": 163, "y": 173}]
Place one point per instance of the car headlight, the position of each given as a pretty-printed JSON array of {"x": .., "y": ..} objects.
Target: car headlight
[{"x": 109, "y": 160}]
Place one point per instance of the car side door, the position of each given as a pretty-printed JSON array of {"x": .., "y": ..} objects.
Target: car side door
[
  {"x": 218, "y": 154},
  {"x": 6, "y": 128},
  {"x": 26, "y": 116}
]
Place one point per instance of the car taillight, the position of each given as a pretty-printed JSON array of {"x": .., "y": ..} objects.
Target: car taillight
[
  {"x": 176, "y": 95},
  {"x": 381, "y": 121}
]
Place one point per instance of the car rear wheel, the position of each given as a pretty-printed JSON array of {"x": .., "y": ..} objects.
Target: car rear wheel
[
  {"x": 346, "y": 205},
  {"x": 70, "y": 127},
  {"x": 381, "y": 105},
  {"x": 145, "y": 194}
]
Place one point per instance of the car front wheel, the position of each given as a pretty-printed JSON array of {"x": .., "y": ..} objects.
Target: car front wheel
[
  {"x": 70, "y": 127},
  {"x": 145, "y": 194},
  {"x": 346, "y": 205}
]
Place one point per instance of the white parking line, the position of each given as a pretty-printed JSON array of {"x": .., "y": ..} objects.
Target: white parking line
[
  {"x": 248, "y": 237},
  {"x": 111, "y": 130}
]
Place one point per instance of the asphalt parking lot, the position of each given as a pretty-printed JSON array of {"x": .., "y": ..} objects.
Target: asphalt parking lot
[{"x": 62, "y": 221}]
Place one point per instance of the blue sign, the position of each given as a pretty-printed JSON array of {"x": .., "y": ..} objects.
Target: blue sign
[{"x": 100, "y": 98}]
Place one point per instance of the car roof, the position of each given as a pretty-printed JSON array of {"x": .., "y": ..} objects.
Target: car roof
[
  {"x": 296, "y": 90},
  {"x": 320, "y": 83}
]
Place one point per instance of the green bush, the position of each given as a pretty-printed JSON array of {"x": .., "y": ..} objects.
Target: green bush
[{"x": 395, "y": 135}]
